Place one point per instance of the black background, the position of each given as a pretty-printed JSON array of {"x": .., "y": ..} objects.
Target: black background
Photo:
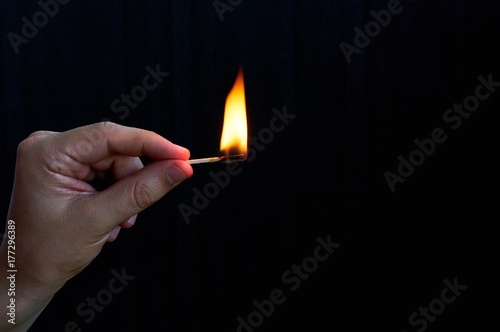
[{"x": 323, "y": 175}]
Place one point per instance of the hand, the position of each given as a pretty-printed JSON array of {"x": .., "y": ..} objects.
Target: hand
[{"x": 62, "y": 221}]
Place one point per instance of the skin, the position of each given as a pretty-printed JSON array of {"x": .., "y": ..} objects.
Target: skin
[{"x": 61, "y": 220}]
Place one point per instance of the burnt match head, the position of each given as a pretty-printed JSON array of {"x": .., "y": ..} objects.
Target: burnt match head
[
  {"x": 234, "y": 158},
  {"x": 233, "y": 154}
]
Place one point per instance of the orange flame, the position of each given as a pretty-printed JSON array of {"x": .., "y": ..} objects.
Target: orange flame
[{"x": 234, "y": 131}]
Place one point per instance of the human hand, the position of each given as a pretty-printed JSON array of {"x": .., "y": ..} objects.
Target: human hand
[{"x": 62, "y": 221}]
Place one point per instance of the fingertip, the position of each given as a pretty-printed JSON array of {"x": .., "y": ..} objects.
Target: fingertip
[
  {"x": 131, "y": 220},
  {"x": 185, "y": 167},
  {"x": 176, "y": 152},
  {"x": 186, "y": 154},
  {"x": 179, "y": 171},
  {"x": 114, "y": 234}
]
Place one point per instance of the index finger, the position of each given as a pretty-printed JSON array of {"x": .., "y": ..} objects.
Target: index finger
[{"x": 93, "y": 143}]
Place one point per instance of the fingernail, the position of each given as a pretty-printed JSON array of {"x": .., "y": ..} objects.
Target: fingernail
[
  {"x": 114, "y": 233},
  {"x": 175, "y": 175},
  {"x": 132, "y": 219}
]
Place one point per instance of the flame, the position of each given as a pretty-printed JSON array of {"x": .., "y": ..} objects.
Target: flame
[{"x": 234, "y": 131}]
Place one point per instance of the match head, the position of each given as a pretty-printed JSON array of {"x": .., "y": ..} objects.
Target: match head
[{"x": 234, "y": 158}]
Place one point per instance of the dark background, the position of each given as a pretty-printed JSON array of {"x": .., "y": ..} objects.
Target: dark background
[{"x": 322, "y": 175}]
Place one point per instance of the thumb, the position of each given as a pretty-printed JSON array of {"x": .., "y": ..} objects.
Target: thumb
[{"x": 138, "y": 191}]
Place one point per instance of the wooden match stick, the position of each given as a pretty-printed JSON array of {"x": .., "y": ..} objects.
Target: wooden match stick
[{"x": 236, "y": 157}]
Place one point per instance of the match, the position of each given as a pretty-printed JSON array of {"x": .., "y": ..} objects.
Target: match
[{"x": 227, "y": 159}]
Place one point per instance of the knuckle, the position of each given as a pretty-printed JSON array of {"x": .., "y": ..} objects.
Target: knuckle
[
  {"x": 27, "y": 144},
  {"x": 104, "y": 126},
  {"x": 21, "y": 150},
  {"x": 24, "y": 146},
  {"x": 96, "y": 133},
  {"x": 37, "y": 143},
  {"x": 40, "y": 133}
]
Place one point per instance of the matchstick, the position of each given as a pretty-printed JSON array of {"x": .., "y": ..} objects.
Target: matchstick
[{"x": 227, "y": 159}]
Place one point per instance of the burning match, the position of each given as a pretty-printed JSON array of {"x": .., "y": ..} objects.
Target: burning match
[
  {"x": 234, "y": 130},
  {"x": 227, "y": 159}
]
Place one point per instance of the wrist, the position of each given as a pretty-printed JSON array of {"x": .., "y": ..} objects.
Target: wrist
[{"x": 21, "y": 299}]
